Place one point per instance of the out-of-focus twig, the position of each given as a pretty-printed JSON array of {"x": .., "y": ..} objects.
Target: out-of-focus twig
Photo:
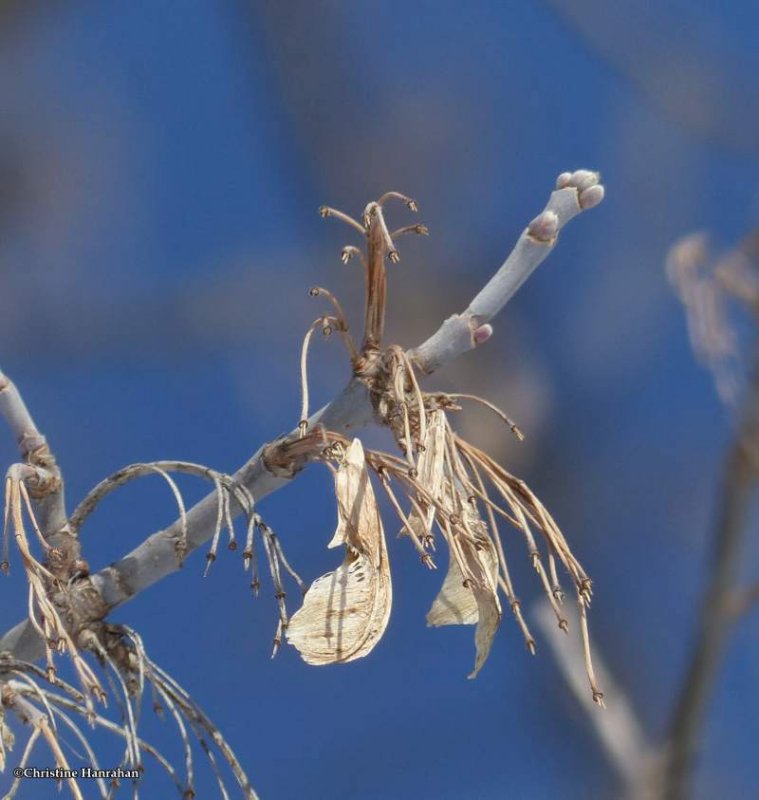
[
  {"x": 694, "y": 278},
  {"x": 703, "y": 286},
  {"x": 704, "y": 90},
  {"x": 743, "y": 600},
  {"x": 717, "y": 612},
  {"x": 618, "y": 729}
]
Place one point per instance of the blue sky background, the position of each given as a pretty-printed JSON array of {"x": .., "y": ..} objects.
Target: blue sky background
[{"x": 160, "y": 169}]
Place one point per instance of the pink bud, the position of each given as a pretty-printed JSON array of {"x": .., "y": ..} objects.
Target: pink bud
[
  {"x": 592, "y": 196},
  {"x": 583, "y": 179},
  {"x": 544, "y": 227},
  {"x": 482, "y": 334}
]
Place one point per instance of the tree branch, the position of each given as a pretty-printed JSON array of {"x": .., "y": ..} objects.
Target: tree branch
[
  {"x": 717, "y": 613},
  {"x": 47, "y": 485},
  {"x": 743, "y": 600},
  {"x": 618, "y": 729},
  {"x": 157, "y": 556},
  {"x": 574, "y": 193}
]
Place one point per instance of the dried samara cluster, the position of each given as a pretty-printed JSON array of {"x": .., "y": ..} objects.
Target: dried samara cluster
[{"x": 437, "y": 484}]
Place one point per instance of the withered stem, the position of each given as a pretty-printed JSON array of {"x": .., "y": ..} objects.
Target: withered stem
[{"x": 376, "y": 281}]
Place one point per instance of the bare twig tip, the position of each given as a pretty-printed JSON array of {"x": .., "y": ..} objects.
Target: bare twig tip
[{"x": 587, "y": 183}]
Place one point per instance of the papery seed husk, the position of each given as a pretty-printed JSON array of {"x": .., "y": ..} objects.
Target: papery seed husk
[
  {"x": 430, "y": 472},
  {"x": 469, "y": 594},
  {"x": 345, "y": 612}
]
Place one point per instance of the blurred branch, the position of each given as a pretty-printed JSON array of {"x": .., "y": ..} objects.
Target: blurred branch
[
  {"x": 717, "y": 612},
  {"x": 690, "y": 270},
  {"x": 704, "y": 285},
  {"x": 743, "y": 600},
  {"x": 702, "y": 288},
  {"x": 617, "y": 728},
  {"x": 704, "y": 91}
]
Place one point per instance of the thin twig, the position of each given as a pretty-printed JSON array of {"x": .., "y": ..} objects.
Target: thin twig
[{"x": 574, "y": 193}]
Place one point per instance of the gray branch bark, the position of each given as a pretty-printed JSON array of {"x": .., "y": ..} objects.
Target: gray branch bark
[{"x": 49, "y": 505}]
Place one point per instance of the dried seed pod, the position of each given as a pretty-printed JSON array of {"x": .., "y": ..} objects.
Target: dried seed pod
[
  {"x": 430, "y": 472},
  {"x": 469, "y": 595},
  {"x": 345, "y": 612}
]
